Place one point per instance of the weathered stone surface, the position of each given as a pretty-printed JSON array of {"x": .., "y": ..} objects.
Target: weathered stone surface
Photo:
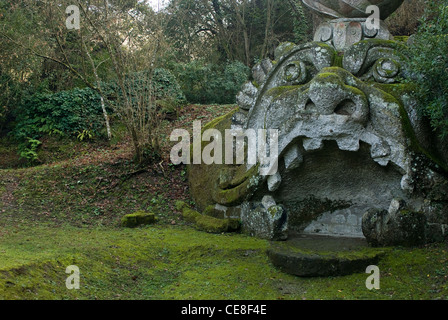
[
  {"x": 268, "y": 202},
  {"x": 274, "y": 182},
  {"x": 314, "y": 256},
  {"x": 246, "y": 98},
  {"x": 212, "y": 225},
  {"x": 223, "y": 212},
  {"x": 293, "y": 158},
  {"x": 343, "y": 33},
  {"x": 207, "y": 222},
  {"x": 261, "y": 70},
  {"x": 397, "y": 226},
  {"x": 270, "y": 224}
]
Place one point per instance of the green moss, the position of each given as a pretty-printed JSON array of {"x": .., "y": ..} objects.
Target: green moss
[
  {"x": 277, "y": 92},
  {"x": 213, "y": 124},
  {"x": 138, "y": 218},
  {"x": 212, "y": 225},
  {"x": 283, "y": 49},
  {"x": 178, "y": 263},
  {"x": 274, "y": 210},
  {"x": 337, "y": 62},
  {"x": 403, "y": 39},
  {"x": 190, "y": 215},
  {"x": 205, "y": 177},
  {"x": 212, "y": 212}
]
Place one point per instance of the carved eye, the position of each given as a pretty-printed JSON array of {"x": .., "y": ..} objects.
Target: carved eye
[
  {"x": 386, "y": 70},
  {"x": 295, "y": 73}
]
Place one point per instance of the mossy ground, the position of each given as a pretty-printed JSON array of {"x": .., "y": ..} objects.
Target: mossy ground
[
  {"x": 177, "y": 262},
  {"x": 68, "y": 213}
]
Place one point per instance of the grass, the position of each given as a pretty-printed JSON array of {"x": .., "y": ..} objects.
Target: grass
[
  {"x": 180, "y": 263},
  {"x": 67, "y": 212}
]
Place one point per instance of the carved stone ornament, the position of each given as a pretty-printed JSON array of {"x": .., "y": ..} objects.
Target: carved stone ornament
[{"x": 351, "y": 143}]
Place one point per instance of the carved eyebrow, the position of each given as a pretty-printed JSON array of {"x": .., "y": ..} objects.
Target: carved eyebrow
[{"x": 360, "y": 57}]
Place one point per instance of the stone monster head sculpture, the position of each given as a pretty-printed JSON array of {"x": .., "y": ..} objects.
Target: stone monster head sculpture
[{"x": 346, "y": 130}]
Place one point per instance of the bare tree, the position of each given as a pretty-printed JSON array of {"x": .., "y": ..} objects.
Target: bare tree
[{"x": 130, "y": 36}]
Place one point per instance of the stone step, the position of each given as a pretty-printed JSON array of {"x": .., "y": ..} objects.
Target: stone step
[{"x": 323, "y": 256}]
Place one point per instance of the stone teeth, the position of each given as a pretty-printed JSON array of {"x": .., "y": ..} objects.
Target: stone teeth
[
  {"x": 380, "y": 150},
  {"x": 293, "y": 158},
  {"x": 406, "y": 183},
  {"x": 380, "y": 153},
  {"x": 268, "y": 202},
  {"x": 382, "y": 162},
  {"x": 274, "y": 182},
  {"x": 348, "y": 144},
  {"x": 310, "y": 144},
  {"x": 246, "y": 98}
]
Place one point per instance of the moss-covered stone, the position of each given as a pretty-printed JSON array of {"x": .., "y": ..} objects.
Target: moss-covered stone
[
  {"x": 138, "y": 218},
  {"x": 205, "y": 179},
  {"x": 315, "y": 256},
  {"x": 403, "y": 228},
  {"x": 212, "y": 225},
  {"x": 233, "y": 225},
  {"x": 209, "y": 221},
  {"x": 278, "y": 92},
  {"x": 212, "y": 212},
  {"x": 283, "y": 49},
  {"x": 189, "y": 214}
]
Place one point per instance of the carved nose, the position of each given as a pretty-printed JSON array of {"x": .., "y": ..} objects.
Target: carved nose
[{"x": 328, "y": 94}]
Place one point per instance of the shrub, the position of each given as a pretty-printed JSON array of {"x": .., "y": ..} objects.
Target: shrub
[
  {"x": 207, "y": 83},
  {"x": 429, "y": 64},
  {"x": 66, "y": 113},
  {"x": 166, "y": 86}
]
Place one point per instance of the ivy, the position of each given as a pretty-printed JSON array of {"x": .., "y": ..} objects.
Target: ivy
[{"x": 429, "y": 64}]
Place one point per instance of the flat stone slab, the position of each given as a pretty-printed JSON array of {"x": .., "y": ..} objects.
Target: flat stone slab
[{"x": 322, "y": 256}]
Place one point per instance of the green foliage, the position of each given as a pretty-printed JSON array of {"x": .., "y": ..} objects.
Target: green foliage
[
  {"x": 429, "y": 64},
  {"x": 66, "y": 113},
  {"x": 165, "y": 85},
  {"x": 208, "y": 83},
  {"x": 85, "y": 135},
  {"x": 28, "y": 150}
]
